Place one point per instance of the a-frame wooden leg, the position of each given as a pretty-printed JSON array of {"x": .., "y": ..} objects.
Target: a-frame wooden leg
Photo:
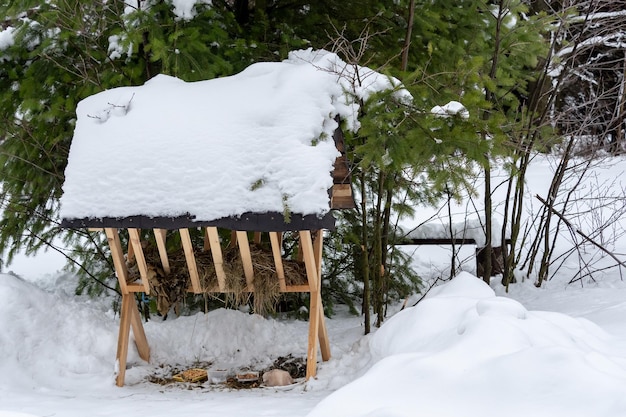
[
  {"x": 123, "y": 336},
  {"x": 129, "y": 314},
  {"x": 138, "y": 332},
  {"x": 322, "y": 332},
  {"x": 316, "y": 309}
]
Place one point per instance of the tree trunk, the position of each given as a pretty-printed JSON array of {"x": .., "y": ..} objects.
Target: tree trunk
[{"x": 365, "y": 265}]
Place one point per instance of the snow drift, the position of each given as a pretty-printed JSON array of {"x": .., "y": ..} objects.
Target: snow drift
[{"x": 464, "y": 351}]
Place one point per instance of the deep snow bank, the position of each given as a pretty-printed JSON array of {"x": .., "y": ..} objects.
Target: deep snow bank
[
  {"x": 55, "y": 341},
  {"x": 462, "y": 351},
  {"x": 52, "y": 342}
]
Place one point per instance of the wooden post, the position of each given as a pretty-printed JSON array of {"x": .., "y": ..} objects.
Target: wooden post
[{"x": 122, "y": 338}]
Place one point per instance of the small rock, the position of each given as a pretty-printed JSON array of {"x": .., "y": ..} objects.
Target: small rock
[{"x": 277, "y": 378}]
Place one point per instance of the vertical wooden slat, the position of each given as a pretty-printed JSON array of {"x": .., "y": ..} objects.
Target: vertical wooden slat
[
  {"x": 135, "y": 240},
  {"x": 300, "y": 256},
  {"x": 278, "y": 260},
  {"x": 185, "y": 239},
  {"x": 123, "y": 337},
  {"x": 216, "y": 252},
  {"x": 318, "y": 245},
  {"x": 306, "y": 246},
  {"x": 257, "y": 237},
  {"x": 246, "y": 258},
  {"x": 140, "y": 335},
  {"x": 117, "y": 254},
  {"x": 160, "y": 236},
  {"x": 207, "y": 242},
  {"x": 130, "y": 253}
]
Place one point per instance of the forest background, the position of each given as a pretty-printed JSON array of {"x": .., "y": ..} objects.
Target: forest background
[{"x": 535, "y": 76}]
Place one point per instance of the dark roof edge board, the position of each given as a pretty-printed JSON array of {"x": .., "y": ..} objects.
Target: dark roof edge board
[{"x": 252, "y": 222}]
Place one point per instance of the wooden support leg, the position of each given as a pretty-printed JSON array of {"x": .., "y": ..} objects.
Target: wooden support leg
[
  {"x": 129, "y": 314},
  {"x": 322, "y": 332},
  {"x": 314, "y": 315},
  {"x": 138, "y": 332},
  {"x": 122, "y": 339}
]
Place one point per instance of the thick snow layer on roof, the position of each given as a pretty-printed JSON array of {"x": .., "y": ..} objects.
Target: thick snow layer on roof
[{"x": 258, "y": 141}]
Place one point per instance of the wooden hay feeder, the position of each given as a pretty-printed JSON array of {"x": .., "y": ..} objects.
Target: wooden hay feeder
[
  {"x": 310, "y": 248},
  {"x": 134, "y": 167}
]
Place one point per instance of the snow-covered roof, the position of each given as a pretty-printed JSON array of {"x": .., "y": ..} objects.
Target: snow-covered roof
[{"x": 256, "y": 142}]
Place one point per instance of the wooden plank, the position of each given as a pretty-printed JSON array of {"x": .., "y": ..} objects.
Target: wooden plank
[
  {"x": 207, "y": 242},
  {"x": 138, "y": 332},
  {"x": 306, "y": 246},
  {"x": 185, "y": 239},
  {"x": 135, "y": 243},
  {"x": 444, "y": 241},
  {"x": 297, "y": 288},
  {"x": 342, "y": 190},
  {"x": 130, "y": 253},
  {"x": 117, "y": 254},
  {"x": 160, "y": 237},
  {"x": 318, "y": 246},
  {"x": 218, "y": 261},
  {"x": 257, "y": 237},
  {"x": 95, "y": 229},
  {"x": 123, "y": 337},
  {"x": 278, "y": 260},
  {"x": 135, "y": 288},
  {"x": 246, "y": 258}
]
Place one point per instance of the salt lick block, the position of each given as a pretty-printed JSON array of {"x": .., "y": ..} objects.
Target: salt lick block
[{"x": 277, "y": 378}]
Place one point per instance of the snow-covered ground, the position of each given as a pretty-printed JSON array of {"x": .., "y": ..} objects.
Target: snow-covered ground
[{"x": 467, "y": 349}]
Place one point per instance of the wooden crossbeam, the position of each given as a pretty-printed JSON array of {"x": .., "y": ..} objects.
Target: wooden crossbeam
[
  {"x": 246, "y": 258},
  {"x": 190, "y": 258},
  {"x": 278, "y": 260},
  {"x": 135, "y": 241},
  {"x": 218, "y": 261},
  {"x": 160, "y": 236}
]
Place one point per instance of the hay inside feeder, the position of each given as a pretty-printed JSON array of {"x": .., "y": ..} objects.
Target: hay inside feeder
[{"x": 171, "y": 289}]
